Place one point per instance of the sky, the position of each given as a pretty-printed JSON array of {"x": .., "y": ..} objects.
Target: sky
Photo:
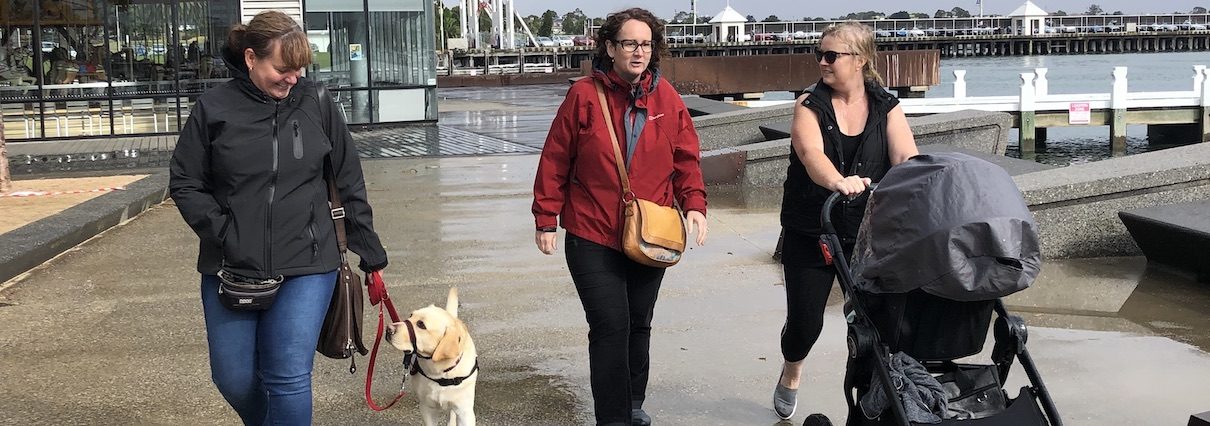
[{"x": 794, "y": 9}]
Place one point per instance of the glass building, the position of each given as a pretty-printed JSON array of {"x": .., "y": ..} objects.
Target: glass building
[{"x": 99, "y": 68}]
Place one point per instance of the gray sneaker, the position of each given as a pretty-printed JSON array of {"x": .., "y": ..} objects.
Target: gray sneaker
[{"x": 785, "y": 401}]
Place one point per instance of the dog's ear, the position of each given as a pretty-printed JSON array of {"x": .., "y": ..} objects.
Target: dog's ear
[
  {"x": 450, "y": 345},
  {"x": 451, "y": 302}
]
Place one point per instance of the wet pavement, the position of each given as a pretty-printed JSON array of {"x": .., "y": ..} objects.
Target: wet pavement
[
  {"x": 520, "y": 114},
  {"x": 111, "y": 332}
]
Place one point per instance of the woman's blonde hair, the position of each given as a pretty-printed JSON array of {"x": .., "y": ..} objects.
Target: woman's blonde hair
[{"x": 860, "y": 39}]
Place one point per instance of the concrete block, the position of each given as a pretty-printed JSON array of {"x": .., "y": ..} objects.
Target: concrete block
[
  {"x": 699, "y": 106},
  {"x": 26, "y": 247},
  {"x": 731, "y": 129},
  {"x": 1077, "y": 207}
]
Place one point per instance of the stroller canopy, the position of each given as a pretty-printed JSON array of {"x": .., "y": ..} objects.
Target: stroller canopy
[{"x": 951, "y": 224}]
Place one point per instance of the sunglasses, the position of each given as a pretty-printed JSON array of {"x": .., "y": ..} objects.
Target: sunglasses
[{"x": 829, "y": 55}]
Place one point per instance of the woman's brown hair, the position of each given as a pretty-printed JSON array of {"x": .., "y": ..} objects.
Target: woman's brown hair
[
  {"x": 613, "y": 24},
  {"x": 270, "y": 27},
  {"x": 859, "y": 38}
]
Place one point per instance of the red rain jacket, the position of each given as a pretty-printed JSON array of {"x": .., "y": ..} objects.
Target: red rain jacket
[{"x": 577, "y": 176}]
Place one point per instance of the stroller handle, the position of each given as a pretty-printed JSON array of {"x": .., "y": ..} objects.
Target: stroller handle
[{"x": 825, "y": 216}]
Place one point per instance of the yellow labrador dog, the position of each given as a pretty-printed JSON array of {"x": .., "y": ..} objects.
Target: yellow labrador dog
[{"x": 447, "y": 363}]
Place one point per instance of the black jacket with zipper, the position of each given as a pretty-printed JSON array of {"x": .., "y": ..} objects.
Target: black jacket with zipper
[
  {"x": 803, "y": 198},
  {"x": 248, "y": 176}
]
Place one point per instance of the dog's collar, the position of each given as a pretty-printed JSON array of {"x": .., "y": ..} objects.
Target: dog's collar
[
  {"x": 455, "y": 381},
  {"x": 415, "y": 366}
]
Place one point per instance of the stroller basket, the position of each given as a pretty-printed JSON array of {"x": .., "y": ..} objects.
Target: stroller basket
[{"x": 928, "y": 327}]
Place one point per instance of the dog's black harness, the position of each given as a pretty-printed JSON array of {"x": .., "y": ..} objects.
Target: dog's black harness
[{"x": 413, "y": 367}]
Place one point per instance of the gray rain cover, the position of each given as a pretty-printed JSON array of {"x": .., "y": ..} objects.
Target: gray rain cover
[{"x": 951, "y": 224}]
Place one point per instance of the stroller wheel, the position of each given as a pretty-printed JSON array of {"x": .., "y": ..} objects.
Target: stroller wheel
[
  {"x": 860, "y": 341},
  {"x": 817, "y": 420}
]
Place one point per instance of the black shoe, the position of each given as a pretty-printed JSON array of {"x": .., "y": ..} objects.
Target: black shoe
[
  {"x": 638, "y": 417},
  {"x": 817, "y": 420}
]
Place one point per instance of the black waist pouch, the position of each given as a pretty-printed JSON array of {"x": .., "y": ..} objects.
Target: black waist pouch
[{"x": 240, "y": 293}]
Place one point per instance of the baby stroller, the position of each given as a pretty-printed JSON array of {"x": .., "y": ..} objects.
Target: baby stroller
[{"x": 943, "y": 238}]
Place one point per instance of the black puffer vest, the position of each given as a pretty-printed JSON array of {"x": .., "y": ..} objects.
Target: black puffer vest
[{"x": 802, "y": 198}]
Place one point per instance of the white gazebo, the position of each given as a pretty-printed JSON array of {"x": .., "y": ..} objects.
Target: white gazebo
[
  {"x": 1029, "y": 19},
  {"x": 728, "y": 25}
]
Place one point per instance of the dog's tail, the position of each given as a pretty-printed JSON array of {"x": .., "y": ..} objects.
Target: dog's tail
[{"x": 451, "y": 302}]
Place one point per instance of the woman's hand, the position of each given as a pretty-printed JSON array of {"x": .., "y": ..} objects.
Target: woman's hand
[
  {"x": 546, "y": 241},
  {"x": 697, "y": 222},
  {"x": 850, "y": 185},
  {"x": 376, "y": 288}
]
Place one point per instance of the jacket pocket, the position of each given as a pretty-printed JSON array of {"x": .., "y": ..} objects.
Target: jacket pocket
[
  {"x": 298, "y": 142},
  {"x": 313, "y": 234}
]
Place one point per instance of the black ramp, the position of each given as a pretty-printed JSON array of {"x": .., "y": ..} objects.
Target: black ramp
[{"x": 1176, "y": 235}]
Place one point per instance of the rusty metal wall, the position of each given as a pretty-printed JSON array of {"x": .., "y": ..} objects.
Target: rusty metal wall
[{"x": 717, "y": 75}]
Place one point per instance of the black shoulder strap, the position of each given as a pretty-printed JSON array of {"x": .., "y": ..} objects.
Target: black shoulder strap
[{"x": 338, "y": 212}]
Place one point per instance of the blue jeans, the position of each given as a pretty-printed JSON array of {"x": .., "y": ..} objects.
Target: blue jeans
[{"x": 261, "y": 360}]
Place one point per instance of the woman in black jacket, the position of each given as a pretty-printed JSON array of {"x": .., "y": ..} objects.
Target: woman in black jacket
[
  {"x": 847, "y": 132},
  {"x": 248, "y": 177}
]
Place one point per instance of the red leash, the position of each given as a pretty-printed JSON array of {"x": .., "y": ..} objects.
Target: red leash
[{"x": 377, "y": 291}]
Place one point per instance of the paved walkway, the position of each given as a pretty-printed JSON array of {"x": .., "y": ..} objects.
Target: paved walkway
[{"x": 111, "y": 331}]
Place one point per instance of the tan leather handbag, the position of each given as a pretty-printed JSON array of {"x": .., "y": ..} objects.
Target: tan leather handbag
[{"x": 652, "y": 234}]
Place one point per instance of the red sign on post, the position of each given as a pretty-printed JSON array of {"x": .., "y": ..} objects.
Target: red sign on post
[{"x": 1079, "y": 113}]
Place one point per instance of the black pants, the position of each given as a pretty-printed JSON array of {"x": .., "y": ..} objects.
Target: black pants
[
  {"x": 808, "y": 283},
  {"x": 619, "y": 297}
]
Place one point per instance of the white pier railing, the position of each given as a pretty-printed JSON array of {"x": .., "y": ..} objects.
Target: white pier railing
[{"x": 1034, "y": 96}]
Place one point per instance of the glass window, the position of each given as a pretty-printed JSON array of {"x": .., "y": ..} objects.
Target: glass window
[{"x": 403, "y": 52}]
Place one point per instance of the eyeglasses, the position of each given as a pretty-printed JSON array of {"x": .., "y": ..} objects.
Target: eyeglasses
[
  {"x": 632, "y": 45},
  {"x": 829, "y": 55}
]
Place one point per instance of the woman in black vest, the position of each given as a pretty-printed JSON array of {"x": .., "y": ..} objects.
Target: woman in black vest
[{"x": 847, "y": 132}]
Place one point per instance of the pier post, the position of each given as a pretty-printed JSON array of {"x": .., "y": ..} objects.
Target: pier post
[
  {"x": 1117, "y": 102},
  {"x": 959, "y": 84},
  {"x": 1026, "y": 130},
  {"x": 1205, "y": 92},
  {"x": 1041, "y": 85}
]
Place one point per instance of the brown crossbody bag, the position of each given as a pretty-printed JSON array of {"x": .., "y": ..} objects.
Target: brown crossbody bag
[{"x": 652, "y": 234}]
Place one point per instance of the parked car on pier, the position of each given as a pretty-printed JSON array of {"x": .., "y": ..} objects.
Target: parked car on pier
[
  {"x": 1190, "y": 26},
  {"x": 546, "y": 42},
  {"x": 563, "y": 40},
  {"x": 582, "y": 40}
]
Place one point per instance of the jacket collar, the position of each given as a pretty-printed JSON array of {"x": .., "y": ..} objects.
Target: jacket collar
[{"x": 239, "y": 72}]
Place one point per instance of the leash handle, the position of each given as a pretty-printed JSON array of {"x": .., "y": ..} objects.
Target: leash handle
[{"x": 390, "y": 308}]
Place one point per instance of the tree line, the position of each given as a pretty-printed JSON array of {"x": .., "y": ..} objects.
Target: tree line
[{"x": 576, "y": 22}]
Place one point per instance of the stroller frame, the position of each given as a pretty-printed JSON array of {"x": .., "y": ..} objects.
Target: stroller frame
[{"x": 863, "y": 337}]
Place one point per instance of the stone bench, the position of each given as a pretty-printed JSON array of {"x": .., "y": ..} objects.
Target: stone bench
[{"x": 1077, "y": 206}]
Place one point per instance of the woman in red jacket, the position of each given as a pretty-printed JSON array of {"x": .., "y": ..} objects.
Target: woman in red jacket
[{"x": 578, "y": 183}]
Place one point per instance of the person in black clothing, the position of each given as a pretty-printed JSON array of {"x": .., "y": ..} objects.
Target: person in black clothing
[
  {"x": 847, "y": 132},
  {"x": 247, "y": 175}
]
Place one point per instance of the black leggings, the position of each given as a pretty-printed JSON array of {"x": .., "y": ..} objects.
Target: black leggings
[
  {"x": 808, "y": 283},
  {"x": 619, "y": 297}
]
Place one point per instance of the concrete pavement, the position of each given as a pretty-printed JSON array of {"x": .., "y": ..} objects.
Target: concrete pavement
[{"x": 111, "y": 332}]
